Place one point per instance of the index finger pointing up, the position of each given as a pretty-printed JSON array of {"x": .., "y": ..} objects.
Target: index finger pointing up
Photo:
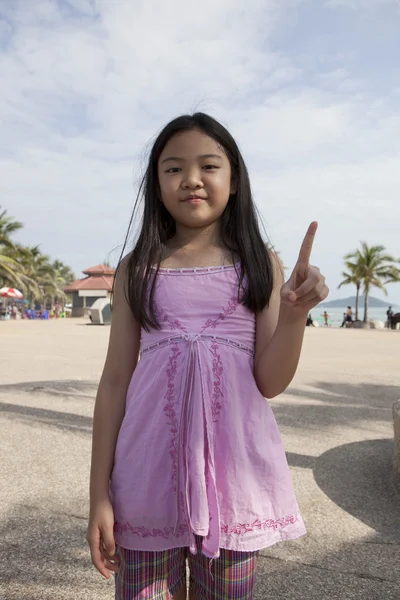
[{"x": 306, "y": 247}]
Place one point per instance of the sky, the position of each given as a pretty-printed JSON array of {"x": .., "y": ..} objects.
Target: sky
[{"x": 310, "y": 89}]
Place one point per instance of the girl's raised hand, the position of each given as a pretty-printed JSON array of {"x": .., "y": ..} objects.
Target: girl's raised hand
[
  {"x": 100, "y": 537},
  {"x": 306, "y": 286}
]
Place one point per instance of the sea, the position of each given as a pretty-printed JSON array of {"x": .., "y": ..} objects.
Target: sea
[{"x": 336, "y": 314}]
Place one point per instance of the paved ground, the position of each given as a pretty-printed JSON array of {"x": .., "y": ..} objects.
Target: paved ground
[{"x": 336, "y": 423}]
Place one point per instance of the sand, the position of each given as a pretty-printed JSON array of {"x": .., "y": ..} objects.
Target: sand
[{"x": 335, "y": 419}]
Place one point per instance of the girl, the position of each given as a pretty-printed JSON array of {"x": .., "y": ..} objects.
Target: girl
[{"x": 187, "y": 460}]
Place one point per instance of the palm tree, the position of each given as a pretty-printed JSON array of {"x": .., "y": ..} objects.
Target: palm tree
[
  {"x": 8, "y": 266},
  {"x": 38, "y": 278},
  {"x": 352, "y": 277},
  {"x": 8, "y": 274},
  {"x": 375, "y": 268},
  {"x": 7, "y": 227},
  {"x": 28, "y": 269},
  {"x": 55, "y": 282},
  {"x": 64, "y": 272},
  {"x": 30, "y": 261},
  {"x": 393, "y": 275}
]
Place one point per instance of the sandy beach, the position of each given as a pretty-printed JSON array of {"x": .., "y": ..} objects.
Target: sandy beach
[{"x": 335, "y": 419}]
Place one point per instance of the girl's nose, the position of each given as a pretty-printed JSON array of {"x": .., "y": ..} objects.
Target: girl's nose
[{"x": 192, "y": 181}]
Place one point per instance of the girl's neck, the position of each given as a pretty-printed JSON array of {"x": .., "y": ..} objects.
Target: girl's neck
[
  {"x": 197, "y": 240},
  {"x": 196, "y": 248}
]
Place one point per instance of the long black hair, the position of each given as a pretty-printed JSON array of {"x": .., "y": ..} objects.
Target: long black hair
[{"x": 239, "y": 227}]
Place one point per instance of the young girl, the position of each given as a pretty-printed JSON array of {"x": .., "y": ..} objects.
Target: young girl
[{"x": 187, "y": 458}]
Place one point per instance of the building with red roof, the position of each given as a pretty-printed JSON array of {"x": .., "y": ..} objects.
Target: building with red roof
[{"x": 98, "y": 283}]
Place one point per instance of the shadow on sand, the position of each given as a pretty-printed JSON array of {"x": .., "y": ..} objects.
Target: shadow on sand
[{"x": 50, "y": 549}]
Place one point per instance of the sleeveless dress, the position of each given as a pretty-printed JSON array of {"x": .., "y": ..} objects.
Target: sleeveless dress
[{"x": 199, "y": 452}]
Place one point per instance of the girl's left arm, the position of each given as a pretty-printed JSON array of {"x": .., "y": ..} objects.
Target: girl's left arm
[{"x": 280, "y": 327}]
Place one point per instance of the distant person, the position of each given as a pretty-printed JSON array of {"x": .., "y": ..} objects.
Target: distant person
[
  {"x": 310, "y": 321},
  {"x": 389, "y": 314},
  {"x": 347, "y": 317},
  {"x": 174, "y": 432},
  {"x": 326, "y": 319}
]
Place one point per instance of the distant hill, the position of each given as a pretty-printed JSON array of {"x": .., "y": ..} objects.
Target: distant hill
[{"x": 351, "y": 300}]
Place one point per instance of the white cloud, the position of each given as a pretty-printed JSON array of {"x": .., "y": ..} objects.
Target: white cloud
[{"x": 88, "y": 84}]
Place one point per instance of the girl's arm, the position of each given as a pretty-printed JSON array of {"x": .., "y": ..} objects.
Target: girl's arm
[
  {"x": 121, "y": 360},
  {"x": 279, "y": 339},
  {"x": 278, "y": 342},
  {"x": 280, "y": 327}
]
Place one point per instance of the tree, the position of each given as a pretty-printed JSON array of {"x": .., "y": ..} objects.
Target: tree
[
  {"x": 8, "y": 274},
  {"x": 352, "y": 277},
  {"x": 28, "y": 269},
  {"x": 34, "y": 271},
  {"x": 8, "y": 266},
  {"x": 64, "y": 272},
  {"x": 61, "y": 276},
  {"x": 373, "y": 268},
  {"x": 7, "y": 227}
]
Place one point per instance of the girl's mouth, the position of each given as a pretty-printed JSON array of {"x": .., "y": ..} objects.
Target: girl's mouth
[{"x": 194, "y": 199}]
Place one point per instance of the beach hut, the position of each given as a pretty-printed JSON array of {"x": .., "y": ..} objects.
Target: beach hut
[{"x": 97, "y": 284}]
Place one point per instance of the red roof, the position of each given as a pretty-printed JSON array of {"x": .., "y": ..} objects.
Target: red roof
[
  {"x": 99, "y": 270},
  {"x": 91, "y": 283},
  {"x": 99, "y": 277}
]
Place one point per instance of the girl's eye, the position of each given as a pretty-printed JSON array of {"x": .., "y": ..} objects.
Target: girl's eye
[
  {"x": 173, "y": 170},
  {"x": 210, "y": 167}
]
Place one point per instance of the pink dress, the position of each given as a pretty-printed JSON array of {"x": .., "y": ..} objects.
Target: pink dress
[{"x": 199, "y": 451}]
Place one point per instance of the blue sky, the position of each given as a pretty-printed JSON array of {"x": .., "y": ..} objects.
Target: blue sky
[{"x": 310, "y": 89}]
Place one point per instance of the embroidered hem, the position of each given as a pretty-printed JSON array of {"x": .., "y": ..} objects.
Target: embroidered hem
[
  {"x": 260, "y": 540},
  {"x": 239, "y": 529}
]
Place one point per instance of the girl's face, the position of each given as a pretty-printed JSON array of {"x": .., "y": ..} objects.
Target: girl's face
[{"x": 194, "y": 176}]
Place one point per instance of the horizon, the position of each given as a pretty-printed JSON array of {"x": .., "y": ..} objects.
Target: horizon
[
  {"x": 309, "y": 90},
  {"x": 361, "y": 301}
]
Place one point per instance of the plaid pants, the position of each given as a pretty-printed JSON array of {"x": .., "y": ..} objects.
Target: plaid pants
[{"x": 148, "y": 575}]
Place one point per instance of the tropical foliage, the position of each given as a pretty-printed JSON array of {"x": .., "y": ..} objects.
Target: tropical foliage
[
  {"x": 368, "y": 267},
  {"x": 26, "y": 268},
  {"x": 351, "y": 276}
]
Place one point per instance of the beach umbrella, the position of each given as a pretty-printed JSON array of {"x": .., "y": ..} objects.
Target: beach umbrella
[{"x": 7, "y": 292}]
